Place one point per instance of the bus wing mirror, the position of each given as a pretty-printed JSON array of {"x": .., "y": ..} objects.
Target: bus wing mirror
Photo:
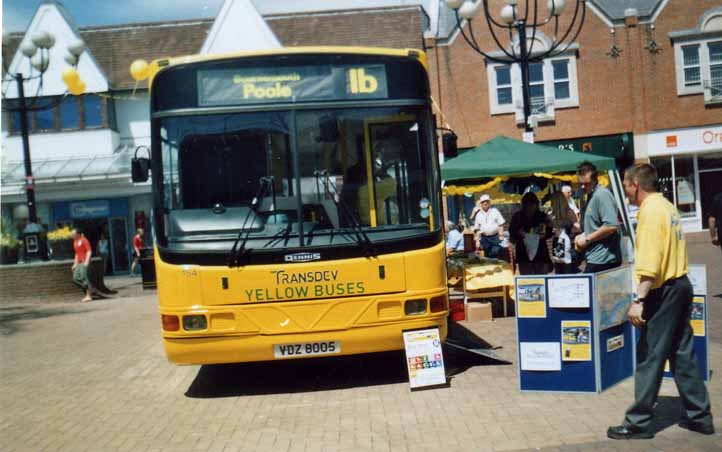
[
  {"x": 140, "y": 166},
  {"x": 448, "y": 141}
]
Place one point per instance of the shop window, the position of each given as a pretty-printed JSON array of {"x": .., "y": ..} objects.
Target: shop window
[
  {"x": 684, "y": 186},
  {"x": 16, "y": 122},
  {"x": 664, "y": 173},
  {"x": 710, "y": 161},
  {"x": 69, "y": 113},
  {"x": 92, "y": 110},
  {"x": 45, "y": 120},
  {"x": 112, "y": 119},
  {"x": 678, "y": 185}
]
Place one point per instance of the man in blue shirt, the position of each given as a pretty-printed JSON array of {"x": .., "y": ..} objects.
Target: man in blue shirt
[
  {"x": 455, "y": 239},
  {"x": 600, "y": 240}
]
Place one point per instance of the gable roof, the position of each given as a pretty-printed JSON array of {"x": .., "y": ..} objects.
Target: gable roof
[
  {"x": 238, "y": 27},
  {"x": 116, "y": 47},
  {"x": 614, "y": 9}
]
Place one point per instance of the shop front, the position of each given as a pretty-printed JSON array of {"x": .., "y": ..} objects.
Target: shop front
[
  {"x": 100, "y": 219},
  {"x": 689, "y": 162},
  {"x": 618, "y": 146}
]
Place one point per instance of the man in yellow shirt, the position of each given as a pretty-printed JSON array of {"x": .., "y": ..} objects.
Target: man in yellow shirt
[{"x": 661, "y": 311}]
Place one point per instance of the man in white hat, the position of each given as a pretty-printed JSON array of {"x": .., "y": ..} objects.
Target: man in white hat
[
  {"x": 488, "y": 223},
  {"x": 567, "y": 191}
]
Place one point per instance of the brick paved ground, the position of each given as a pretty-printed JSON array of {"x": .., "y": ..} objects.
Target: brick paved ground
[{"x": 93, "y": 377}]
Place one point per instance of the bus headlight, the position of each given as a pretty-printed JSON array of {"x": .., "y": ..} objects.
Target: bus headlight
[
  {"x": 194, "y": 322},
  {"x": 415, "y": 307}
]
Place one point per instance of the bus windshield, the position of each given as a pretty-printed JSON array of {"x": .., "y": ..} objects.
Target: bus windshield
[{"x": 310, "y": 172}]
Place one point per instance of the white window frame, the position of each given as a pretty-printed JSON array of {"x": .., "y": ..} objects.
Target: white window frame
[
  {"x": 704, "y": 63},
  {"x": 497, "y": 108},
  {"x": 516, "y": 92}
]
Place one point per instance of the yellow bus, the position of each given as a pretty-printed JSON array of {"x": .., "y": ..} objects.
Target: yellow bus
[{"x": 296, "y": 203}]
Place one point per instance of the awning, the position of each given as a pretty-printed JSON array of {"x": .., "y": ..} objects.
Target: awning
[
  {"x": 504, "y": 156},
  {"x": 72, "y": 169}
]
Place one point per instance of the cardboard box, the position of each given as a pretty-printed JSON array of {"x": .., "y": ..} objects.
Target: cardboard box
[{"x": 478, "y": 311}]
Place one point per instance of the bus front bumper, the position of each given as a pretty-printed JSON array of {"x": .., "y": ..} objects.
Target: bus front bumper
[{"x": 247, "y": 348}]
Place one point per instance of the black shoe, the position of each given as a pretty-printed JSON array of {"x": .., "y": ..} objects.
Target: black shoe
[
  {"x": 695, "y": 427},
  {"x": 624, "y": 432}
]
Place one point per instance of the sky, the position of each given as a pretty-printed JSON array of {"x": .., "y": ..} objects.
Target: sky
[{"x": 17, "y": 13}]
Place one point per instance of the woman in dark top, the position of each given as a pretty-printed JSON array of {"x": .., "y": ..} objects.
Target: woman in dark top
[
  {"x": 525, "y": 224},
  {"x": 565, "y": 219}
]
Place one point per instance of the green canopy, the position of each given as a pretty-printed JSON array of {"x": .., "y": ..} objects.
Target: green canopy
[{"x": 504, "y": 156}]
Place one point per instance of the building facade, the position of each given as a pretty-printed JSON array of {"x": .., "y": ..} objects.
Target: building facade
[
  {"x": 648, "y": 91},
  {"x": 81, "y": 146},
  {"x": 642, "y": 81}
]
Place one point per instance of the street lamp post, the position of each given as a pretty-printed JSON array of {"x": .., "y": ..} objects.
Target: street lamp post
[
  {"x": 37, "y": 50},
  {"x": 517, "y": 25}
]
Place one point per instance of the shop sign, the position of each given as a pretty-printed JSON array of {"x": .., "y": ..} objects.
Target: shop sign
[
  {"x": 89, "y": 209},
  {"x": 608, "y": 146},
  {"x": 698, "y": 139}
]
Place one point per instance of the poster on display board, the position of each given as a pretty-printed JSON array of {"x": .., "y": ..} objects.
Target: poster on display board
[
  {"x": 541, "y": 356},
  {"x": 577, "y": 340},
  {"x": 612, "y": 294},
  {"x": 424, "y": 358},
  {"x": 697, "y": 274},
  {"x": 697, "y": 316},
  {"x": 531, "y": 296},
  {"x": 569, "y": 293}
]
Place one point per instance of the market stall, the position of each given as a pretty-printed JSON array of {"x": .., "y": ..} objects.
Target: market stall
[
  {"x": 488, "y": 166},
  {"x": 504, "y": 168}
]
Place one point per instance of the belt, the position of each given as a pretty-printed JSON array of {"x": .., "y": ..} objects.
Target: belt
[{"x": 490, "y": 235}]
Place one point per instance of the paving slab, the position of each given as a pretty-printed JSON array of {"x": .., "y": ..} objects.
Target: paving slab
[{"x": 94, "y": 377}]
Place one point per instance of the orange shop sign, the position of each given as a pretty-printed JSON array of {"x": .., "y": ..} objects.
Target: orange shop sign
[{"x": 671, "y": 141}]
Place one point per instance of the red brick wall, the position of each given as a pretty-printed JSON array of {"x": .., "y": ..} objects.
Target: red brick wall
[
  {"x": 40, "y": 282},
  {"x": 666, "y": 110},
  {"x": 635, "y": 92}
]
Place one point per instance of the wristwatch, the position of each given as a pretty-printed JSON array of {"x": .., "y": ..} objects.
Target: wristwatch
[{"x": 636, "y": 299}]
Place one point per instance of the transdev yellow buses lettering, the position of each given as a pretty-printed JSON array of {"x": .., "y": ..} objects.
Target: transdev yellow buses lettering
[{"x": 301, "y": 285}]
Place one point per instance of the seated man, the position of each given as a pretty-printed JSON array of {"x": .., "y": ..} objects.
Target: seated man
[
  {"x": 455, "y": 238},
  {"x": 488, "y": 222}
]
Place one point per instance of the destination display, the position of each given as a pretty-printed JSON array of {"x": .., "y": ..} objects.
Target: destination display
[{"x": 238, "y": 86}]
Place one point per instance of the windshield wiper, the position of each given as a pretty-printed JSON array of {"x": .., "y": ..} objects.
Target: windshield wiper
[
  {"x": 362, "y": 238},
  {"x": 239, "y": 253}
]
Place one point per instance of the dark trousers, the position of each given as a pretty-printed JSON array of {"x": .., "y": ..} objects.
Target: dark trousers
[
  {"x": 596, "y": 268},
  {"x": 668, "y": 335},
  {"x": 491, "y": 245}
]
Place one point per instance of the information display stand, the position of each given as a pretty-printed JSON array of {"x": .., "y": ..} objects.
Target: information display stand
[{"x": 572, "y": 331}]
